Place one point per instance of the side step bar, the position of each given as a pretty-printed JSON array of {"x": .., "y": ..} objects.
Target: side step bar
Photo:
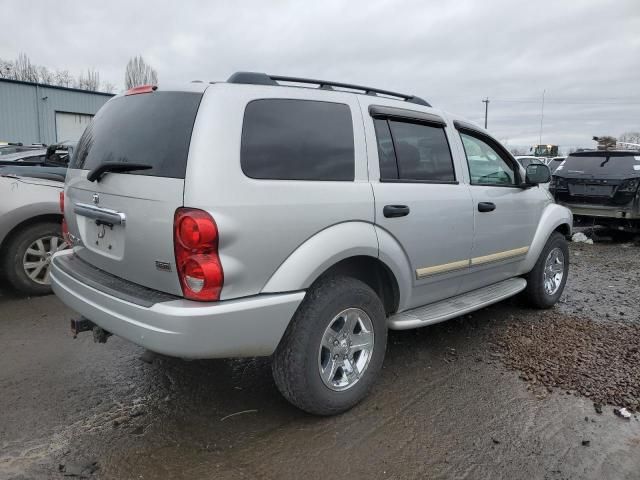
[{"x": 456, "y": 306}]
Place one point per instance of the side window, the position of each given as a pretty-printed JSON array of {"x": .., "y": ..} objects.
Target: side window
[
  {"x": 413, "y": 151},
  {"x": 486, "y": 165},
  {"x": 297, "y": 140},
  {"x": 388, "y": 165}
]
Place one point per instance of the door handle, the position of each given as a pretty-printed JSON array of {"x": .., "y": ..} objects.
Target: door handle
[
  {"x": 392, "y": 211},
  {"x": 486, "y": 206}
]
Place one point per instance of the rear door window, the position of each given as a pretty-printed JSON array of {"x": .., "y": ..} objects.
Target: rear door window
[
  {"x": 286, "y": 139},
  {"x": 413, "y": 152},
  {"x": 150, "y": 128}
]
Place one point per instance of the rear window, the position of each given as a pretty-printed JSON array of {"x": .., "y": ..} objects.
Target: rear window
[
  {"x": 150, "y": 128},
  {"x": 297, "y": 140},
  {"x": 602, "y": 164}
]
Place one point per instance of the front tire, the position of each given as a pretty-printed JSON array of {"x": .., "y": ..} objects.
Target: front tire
[
  {"x": 545, "y": 283},
  {"x": 334, "y": 347}
]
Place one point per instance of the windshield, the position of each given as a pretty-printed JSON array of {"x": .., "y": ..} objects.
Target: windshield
[
  {"x": 627, "y": 165},
  {"x": 150, "y": 128}
]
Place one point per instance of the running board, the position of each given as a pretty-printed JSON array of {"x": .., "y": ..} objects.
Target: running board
[{"x": 456, "y": 306}]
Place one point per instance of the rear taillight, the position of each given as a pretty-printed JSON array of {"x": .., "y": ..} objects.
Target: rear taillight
[
  {"x": 558, "y": 183},
  {"x": 630, "y": 185},
  {"x": 195, "y": 240},
  {"x": 65, "y": 229}
]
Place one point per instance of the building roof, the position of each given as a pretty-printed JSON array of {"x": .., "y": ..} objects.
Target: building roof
[{"x": 56, "y": 87}]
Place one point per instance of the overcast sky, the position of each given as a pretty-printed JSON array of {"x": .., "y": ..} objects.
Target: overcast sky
[{"x": 585, "y": 54}]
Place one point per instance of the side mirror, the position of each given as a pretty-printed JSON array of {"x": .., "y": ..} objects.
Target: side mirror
[{"x": 536, "y": 174}]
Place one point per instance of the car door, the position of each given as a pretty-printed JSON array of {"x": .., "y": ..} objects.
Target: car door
[
  {"x": 419, "y": 201},
  {"x": 506, "y": 215}
]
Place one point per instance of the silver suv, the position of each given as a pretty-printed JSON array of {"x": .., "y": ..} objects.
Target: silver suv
[{"x": 300, "y": 219}]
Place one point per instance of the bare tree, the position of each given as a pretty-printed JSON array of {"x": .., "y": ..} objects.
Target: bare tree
[
  {"x": 24, "y": 70},
  {"x": 139, "y": 73},
  {"x": 89, "y": 82},
  {"x": 63, "y": 78}
]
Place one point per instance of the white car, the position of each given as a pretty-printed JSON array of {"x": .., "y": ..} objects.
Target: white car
[{"x": 30, "y": 231}]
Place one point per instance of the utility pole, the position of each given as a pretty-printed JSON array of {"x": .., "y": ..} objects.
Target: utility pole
[
  {"x": 541, "y": 117},
  {"x": 486, "y": 110}
]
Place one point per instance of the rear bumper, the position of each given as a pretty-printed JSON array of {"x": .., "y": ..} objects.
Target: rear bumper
[{"x": 246, "y": 327}]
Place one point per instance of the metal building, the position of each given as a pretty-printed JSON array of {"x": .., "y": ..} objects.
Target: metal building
[{"x": 37, "y": 113}]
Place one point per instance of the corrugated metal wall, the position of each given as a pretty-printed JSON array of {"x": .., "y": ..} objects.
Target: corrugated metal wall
[{"x": 28, "y": 111}]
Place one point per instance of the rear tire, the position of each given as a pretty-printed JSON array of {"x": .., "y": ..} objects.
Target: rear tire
[
  {"x": 333, "y": 320},
  {"x": 545, "y": 283},
  {"x": 15, "y": 257}
]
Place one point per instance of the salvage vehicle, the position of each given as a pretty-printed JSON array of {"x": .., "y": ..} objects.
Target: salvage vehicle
[
  {"x": 601, "y": 188},
  {"x": 300, "y": 219},
  {"x": 34, "y": 155},
  {"x": 57, "y": 155},
  {"x": 30, "y": 231}
]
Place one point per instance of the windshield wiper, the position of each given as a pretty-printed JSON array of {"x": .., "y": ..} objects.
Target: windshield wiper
[{"x": 117, "y": 167}]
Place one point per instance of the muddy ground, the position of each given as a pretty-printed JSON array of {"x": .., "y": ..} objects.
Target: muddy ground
[{"x": 449, "y": 403}]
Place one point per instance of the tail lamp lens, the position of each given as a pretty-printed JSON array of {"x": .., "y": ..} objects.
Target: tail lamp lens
[
  {"x": 196, "y": 249},
  {"x": 61, "y": 202},
  {"x": 630, "y": 185}
]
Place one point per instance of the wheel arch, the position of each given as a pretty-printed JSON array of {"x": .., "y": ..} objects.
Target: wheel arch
[
  {"x": 555, "y": 218},
  {"x": 47, "y": 217},
  {"x": 349, "y": 248}
]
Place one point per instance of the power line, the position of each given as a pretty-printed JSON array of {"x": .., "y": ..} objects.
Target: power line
[{"x": 565, "y": 102}]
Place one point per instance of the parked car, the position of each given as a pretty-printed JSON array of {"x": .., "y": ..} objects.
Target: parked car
[
  {"x": 601, "y": 187},
  {"x": 554, "y": 163},
  {"x": 57, "y": 155},
  {"x": 30, "y": 231},
  {"x": 12, "y": 148},
  {"x": 34, "y": 171},
  {"x": 248, "y": 218},
  {"x": 34, "y": 155}
]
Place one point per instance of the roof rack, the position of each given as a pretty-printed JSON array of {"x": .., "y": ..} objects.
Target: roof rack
[{"x": 256, "y": 78}]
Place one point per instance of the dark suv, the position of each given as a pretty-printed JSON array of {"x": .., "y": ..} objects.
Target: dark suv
[{"x": 600, "y": 187}]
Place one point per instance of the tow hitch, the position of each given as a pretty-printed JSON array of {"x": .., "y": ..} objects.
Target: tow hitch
[{"x": 79, "y": 325}]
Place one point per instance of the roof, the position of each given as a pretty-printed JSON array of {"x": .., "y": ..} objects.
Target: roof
[
  {"x": 605, "y": 153},
  {"x": 55, "y": 87}
]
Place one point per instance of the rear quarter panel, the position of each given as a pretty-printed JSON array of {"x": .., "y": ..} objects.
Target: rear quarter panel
[
  {"x": 262, "y": 222},
  {"x": 23, "y": 199}
]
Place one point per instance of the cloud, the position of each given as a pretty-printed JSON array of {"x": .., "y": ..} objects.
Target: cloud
[{"x": 585, "y": 54}]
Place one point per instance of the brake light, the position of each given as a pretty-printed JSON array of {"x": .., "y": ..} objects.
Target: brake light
[
  {"x": 141, "y": 89},
  {"x": 630, "y": 185},
  {"x": 195, "y": 240},
  {"x": 64, "y": 227},
  {"x": 558, "y": 183}
]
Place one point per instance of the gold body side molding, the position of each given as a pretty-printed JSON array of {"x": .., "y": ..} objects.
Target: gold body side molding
[
  {"x": 494, "y": 257},
  {"x": 460, "y": 264}
]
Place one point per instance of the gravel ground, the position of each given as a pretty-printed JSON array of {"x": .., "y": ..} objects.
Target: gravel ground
[{"x": 599, "y": 361}]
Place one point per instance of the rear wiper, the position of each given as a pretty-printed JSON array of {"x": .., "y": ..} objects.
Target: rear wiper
[
  {"x": 97, "y": 173},
  {"x": 605, "y": 162}
]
